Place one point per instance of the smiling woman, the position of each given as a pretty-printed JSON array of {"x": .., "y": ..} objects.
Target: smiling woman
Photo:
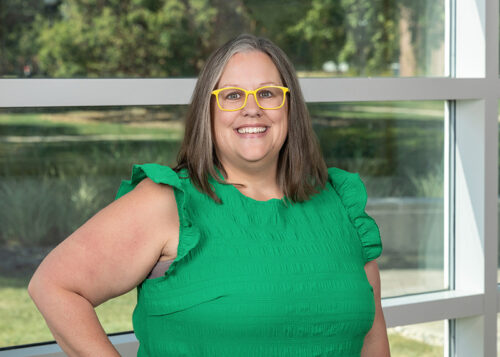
[
  {"x": 251, "y": 138},
  {"x": 284, "y": 264}
]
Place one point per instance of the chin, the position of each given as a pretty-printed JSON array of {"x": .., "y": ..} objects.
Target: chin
[{"x": 255, "y": 158}]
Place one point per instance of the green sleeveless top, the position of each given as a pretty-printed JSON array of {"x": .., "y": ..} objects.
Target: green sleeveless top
[{"x": 260, "y": 278}]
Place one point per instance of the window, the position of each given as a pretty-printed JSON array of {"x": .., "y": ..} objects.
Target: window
[
  {"x": 398, "y": 149},
  {"x": 451, "y": 55}
]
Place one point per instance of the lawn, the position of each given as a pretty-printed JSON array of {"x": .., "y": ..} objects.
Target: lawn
[
  {"x": 126, "y": 123},
  {"x": 21, "y": 322}
]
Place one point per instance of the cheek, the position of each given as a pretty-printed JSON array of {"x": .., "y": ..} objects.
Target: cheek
[
  {"x": 222, "y": 126},
  {"x": 223, "y": 119},
  {"x": 283, "y": 120}
]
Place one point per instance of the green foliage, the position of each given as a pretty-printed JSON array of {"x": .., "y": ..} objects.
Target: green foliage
[
  {"x": 126, "y": 38},
  {"x": 47, "y": 190},
  {"x": 371, "y": 36},
  {"x": 16, "y": 25},
  {"x": 430, "y": 184},
  {"x": 322, "y": 29},
  {"x": 156, "y": 38},
  {"x": 35, "y": 211},
  {"x": 366, "y": 34}
]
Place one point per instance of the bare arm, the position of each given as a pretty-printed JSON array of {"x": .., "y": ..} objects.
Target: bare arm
[
  {"x": 376, "y": 341},
  {"x": 106, "y": 257}
]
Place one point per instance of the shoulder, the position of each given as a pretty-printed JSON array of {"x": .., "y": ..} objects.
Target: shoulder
[
  {"x": 155, "y": 193},
  {"x": 150, "y": 192},
  {"x": 147, "y": 175}
]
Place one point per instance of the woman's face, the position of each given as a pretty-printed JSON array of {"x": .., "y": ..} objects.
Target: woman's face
[{"x": 249, "y": 70}]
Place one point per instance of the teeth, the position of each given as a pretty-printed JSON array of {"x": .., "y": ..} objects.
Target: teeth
[{"x": 249, "y": 130}]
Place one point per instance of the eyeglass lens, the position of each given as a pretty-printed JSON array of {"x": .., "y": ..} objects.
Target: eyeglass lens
[{"x": 267, "y": 97}]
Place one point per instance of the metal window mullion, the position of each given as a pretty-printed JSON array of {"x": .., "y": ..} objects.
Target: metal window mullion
[
  {"x": 449, "y": 331},
  {"x": 476, "y": 243},
  {"x": 142, "y": 92},
  {"x": 449, "y": 218}
]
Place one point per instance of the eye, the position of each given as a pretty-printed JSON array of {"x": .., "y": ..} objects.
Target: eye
[
  {"x": 232, "y": 95},
  {"x": 265, "y": 93}
]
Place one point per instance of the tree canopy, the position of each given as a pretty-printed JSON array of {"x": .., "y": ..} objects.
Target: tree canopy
[{"x": 173, "y": 38}]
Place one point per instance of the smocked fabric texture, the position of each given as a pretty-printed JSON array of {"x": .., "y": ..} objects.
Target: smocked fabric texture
[{"x": 260, "y": 278}]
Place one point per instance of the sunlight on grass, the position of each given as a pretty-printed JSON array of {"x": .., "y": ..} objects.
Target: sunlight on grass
[
  {"x": 22, "y": 323},
  {"x": 407, "y": 347},
  {"x": 79, "y": 126}
]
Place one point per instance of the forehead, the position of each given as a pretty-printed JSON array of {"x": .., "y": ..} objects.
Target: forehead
[{"x": 249, "y": 69}]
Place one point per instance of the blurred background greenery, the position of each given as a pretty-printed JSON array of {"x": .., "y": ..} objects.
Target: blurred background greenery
[
  {"x": 172, "y": 38},
  {"x": 59, "y": 166}
]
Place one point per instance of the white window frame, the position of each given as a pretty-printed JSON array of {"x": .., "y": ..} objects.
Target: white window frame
[{"x": 471, "y": 93}]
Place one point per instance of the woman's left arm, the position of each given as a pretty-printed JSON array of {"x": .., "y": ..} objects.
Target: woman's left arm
[{"x": 376, "y": 341}]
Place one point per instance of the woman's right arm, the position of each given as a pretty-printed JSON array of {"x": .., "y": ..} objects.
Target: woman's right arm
[{"x": 106, "y": 257}]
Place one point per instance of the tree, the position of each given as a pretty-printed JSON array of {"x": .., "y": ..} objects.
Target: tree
[
  {"x": 17, "y": 43},
  {"x": 366, "y": 34},
  {"x": 132, "y": 38}
]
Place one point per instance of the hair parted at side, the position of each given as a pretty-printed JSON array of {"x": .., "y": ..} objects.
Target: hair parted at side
[{"x": 301, "y": 170}]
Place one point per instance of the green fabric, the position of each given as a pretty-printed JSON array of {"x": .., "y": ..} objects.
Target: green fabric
[{"x": 261, "y": 278}]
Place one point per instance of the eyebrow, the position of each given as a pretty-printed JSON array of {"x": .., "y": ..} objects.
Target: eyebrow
[{"x": 260, "y": 85}]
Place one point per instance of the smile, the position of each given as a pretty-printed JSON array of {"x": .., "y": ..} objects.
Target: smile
[{"x": 252, "y": 130}]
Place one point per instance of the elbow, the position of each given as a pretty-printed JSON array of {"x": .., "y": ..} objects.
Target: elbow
[
  {"x": 33, "y": 287},
  {"x": 38, "y": 286}
]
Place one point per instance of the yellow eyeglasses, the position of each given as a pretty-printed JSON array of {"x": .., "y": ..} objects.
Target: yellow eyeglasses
[{"x": 231, "y": 99}]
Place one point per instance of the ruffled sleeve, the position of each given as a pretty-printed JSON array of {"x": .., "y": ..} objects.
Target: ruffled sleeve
[
  {"x": 189, "y": 235},
  {"x": 352, "y": 192},
  {"x": 157, "y": 173}
]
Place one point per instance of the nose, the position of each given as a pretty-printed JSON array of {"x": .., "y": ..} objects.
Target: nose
[{"x": 251, "y": 108}]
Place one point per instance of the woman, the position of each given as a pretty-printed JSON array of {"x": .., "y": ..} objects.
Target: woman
[{"x": 250, "y": 246}]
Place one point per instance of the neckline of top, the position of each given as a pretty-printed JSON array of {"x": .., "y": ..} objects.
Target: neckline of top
[{"x": 247, "y": 198}]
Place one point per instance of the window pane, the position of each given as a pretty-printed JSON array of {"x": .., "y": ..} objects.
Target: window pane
[
  {"x": 422, "y": 340},
  {"x": 80, "y": 39},
  {"x": 58, "y": 167},
  {"x": 398, "y": 149}
]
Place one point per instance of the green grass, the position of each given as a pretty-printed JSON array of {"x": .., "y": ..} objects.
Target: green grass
[
  {"x": 22, "y": 323},
  {"x": 425, "y": 110},
  {"x": 78, "y": 127},
  {"x": 406, "y": 347}
]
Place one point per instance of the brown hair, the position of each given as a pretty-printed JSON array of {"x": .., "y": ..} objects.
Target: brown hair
[{"x": 301, "y": 168}]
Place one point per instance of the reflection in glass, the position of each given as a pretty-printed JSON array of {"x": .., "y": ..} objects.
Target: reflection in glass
[
  {"x": 81, "y": 39},
  {"x": 58, "y": 167},
  {"x": 398, "y": 149},
  {"x": 426, "y": 339}
]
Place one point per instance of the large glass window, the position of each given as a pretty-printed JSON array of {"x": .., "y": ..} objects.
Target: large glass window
[
  {"x": 58, "y": 167},
  {"x": 80, "y": 39},
  {"x": 397, "y": 148}
]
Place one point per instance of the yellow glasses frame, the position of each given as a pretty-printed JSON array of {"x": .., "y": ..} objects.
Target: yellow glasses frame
[{"x": 247, "y": 92}]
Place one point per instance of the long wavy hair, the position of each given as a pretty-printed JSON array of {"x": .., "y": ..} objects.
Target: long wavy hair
[{"x": 301, "y": 170}]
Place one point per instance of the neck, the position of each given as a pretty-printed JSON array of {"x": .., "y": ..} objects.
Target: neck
[{"x": 260, "y": 181}]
